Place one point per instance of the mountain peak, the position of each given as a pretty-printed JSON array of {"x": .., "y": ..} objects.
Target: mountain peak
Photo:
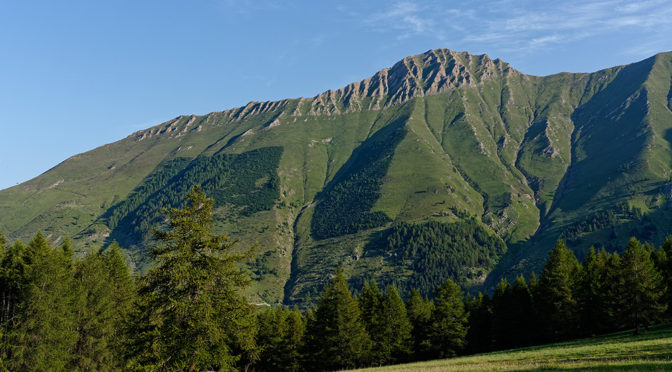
[{"x": 432, "y": 72}]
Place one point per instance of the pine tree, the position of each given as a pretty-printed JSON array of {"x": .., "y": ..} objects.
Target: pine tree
[
  {"x": 336, "y": 337},
  {"x": 191, "y": 315},
  {"x": 643, "y": 287},
  {"x": 449, "y": 325},
  {"x": 556, "y": 298},
  {"x": 419, "y": 311}
]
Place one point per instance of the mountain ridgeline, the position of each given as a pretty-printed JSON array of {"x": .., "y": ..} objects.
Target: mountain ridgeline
[{"x": 446, "y": 165}]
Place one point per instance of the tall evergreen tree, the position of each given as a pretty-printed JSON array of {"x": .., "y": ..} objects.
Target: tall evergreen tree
[
  {"x": 191, "y": 315},
  {"x": 419, "y": 311},
  {"x": 396, "y": 339},
  {"x": 449, "y": 325},
  {"x": 664, "y": 264},
  {"x": 336, "y": 337},
  {"x": 502, "y": 315},
  {"x": 590, "y": 296},
  {"x": 279, "y": 338},
  {"x": 372, "y": 308},
  {"x": 613, "y": 283},
  {"x": 556, "y": 297},
  {"x": 479, "y": 335},
  {"x": 123, "y": 293},
  {"x": 643, "y": 287},
  {"x": 43, "y": 332},
  {"x": 95, "y": 313}
]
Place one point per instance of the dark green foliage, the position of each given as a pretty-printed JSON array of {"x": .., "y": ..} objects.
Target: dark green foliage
[
  {"x": 599, "y": 221},
  {"x": 612, "y": 287},
  {"x": 387, "y": 324},
  {"x": 336, "y": 337},
  {"x": 419, "y": 311},
  {"x": 372, "y": 308},
  {"x": 105, "y": 293},
  {"x": 555, "y": 295},
  {"x": 396, "y": 338},
  {"x": 590, "y": 293},
  {"x": 345, "y": 205},
  {"x": 279, "y": 338},
  {"x": 514, "y": 315},
  {"x": 437, "y": 251},
  {"x": 254, "y": 188},
  {"x": 191, "y": 315},
  {"x": 448, "y": 324},
  {"x": 42, "y": 332},
  {"x": 480, "y": 333},
  {"x": 643, "y": 286},
  {"x": 153, "y": 183},
  {"x": 663, "y": 260}
]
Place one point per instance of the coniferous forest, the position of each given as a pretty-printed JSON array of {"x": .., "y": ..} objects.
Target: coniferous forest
[{"x": 61, "y": 311}]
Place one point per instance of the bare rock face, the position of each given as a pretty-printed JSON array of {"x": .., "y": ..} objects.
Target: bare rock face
[{"x": 432, "y": 72}]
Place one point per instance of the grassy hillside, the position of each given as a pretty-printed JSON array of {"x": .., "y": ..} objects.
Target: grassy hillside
[
  {"x": 438, "y": 137},
  {"x": 623, "y": 351}
]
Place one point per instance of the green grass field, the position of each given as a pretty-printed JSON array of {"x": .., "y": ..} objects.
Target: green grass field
[{"x": 623, "y": 351}]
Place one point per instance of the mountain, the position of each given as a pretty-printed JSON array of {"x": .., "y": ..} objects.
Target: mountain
[{"x": 445, "y": 165}]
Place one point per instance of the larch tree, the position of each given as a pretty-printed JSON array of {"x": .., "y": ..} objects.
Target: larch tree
[
  {"x": 644, "y": 286},
  {"x": 448, "y": 327},
  {"x": 556, "y": 294},
  {"x": 419, "y": 312},
  {"x": 336, "y": 337},
  {"x": 192, "y": 315}
]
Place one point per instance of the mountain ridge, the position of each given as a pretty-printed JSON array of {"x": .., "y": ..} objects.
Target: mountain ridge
[{"x": 441, "y": 136}]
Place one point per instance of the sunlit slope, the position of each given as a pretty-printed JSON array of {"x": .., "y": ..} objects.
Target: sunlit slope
[{"x": 442, "y": 136}]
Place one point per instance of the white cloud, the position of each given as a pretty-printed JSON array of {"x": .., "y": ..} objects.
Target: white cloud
[{"x": 524, "y": 25}]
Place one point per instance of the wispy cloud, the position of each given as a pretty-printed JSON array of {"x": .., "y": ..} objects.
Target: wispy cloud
[
  {"x": 524, "y": 25},
  {"x": 407, "y": 17}
]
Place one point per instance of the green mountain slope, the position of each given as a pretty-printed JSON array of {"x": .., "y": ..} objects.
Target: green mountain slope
[{"x": 447, "y": 138}]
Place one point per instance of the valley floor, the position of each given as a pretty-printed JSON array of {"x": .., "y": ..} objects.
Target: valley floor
[{"x": 623, "y": 351}]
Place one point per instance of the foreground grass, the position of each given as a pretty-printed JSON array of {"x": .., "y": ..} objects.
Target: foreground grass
[{"x": 623, "y": 351}]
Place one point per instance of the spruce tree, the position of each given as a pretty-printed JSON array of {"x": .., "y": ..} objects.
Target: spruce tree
[
  {"x": 556, "y": 294},
  {"x": 643, "y": 286},
  {"x": 191, "y": 315},
  {"x": 449, "y": 325},
  {"x": 419, "y": 311},
  {"x": 335, "y": 336}
]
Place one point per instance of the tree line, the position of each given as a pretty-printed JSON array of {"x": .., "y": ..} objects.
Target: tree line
[{"x": 187, "y": 312}]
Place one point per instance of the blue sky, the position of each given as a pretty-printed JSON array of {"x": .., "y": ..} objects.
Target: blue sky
[{"x": 75, "y": 75}]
